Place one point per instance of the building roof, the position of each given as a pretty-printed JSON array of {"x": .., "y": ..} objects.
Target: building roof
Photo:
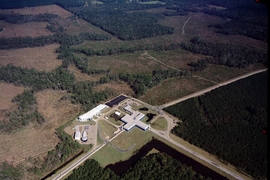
[
  {"x": 134, "y": 120},
  {"x": 77, "y": 135},
  {"x": 93, "y": 112}
]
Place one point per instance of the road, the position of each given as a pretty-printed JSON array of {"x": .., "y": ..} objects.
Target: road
[
  {"x": 62, "y": 173},
  {"x": 165, "y": 134},
  {"x": 201, "y": 92}
]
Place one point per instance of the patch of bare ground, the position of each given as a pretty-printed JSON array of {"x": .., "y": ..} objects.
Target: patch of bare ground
[
  {"x": 35, "y": 140},
  {"x": 81, "y": 76},
  {"x": 52, "y": 9},
  {"x": 31, "y": 29},
  {"x": 39, "y": 58},
  {"x": 7, "y": 93},
  {"x": 55, "y": 108},
  {"x": 116, "y": 87}
]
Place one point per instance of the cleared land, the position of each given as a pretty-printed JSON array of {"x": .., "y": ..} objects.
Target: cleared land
[
  {"x": 132, "y": 63},
  {"x": 7, "y": 93},
  {"x": 31, "y": 29},
  {"x": 53, "y": 9},
  {"x": 116, "y": 88},
  {"x": 173, "y": 88},
  {"x": 160, "y": 124},
  {"x": 39, "y": 58},
  {"x": 106, "y": 130}
]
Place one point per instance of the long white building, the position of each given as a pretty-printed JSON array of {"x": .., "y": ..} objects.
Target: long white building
[{"x": 93, "y": 112}]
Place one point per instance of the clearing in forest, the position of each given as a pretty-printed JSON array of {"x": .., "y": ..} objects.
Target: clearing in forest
[
  {"x": 116, "y": 87},
  {"x": 39, "y": 58},
  {"x": 7, "y": 93}
]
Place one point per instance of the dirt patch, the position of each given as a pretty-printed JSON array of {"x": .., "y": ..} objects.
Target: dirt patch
[
  {"x": 31, "y": 29},
  {"x": 39, "y": 58},
  {"x": 28, "y": 142},
  {"x": 35, "y": 140},
  {"x": 117, "y": 88},
  {"x": 81, "y": 76},
  {"x": 52, "y": 9},
  {"x": 7, "y": 93},
  {"x": 56, "y": 110}
]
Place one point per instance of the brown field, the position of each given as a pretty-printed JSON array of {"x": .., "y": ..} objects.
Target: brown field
[
  {"x": 52, "y": 9},
  {"x": 36, "y": 140},
  {"x": 7, "y": 93},
  {"x": 31, "y": 29},
  {"x": 81, "y": 76},
  {"x": 117, "y": 88},
  {"x": 39, "y": 58}
]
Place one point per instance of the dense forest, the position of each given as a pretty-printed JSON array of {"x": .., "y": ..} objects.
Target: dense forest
[
  {"x": 153, "y": 166},
  {"x": 228, "y": 123}
]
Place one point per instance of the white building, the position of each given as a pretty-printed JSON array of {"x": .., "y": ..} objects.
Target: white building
[
  {"x": 77, "y": 135},
  {"x": 94, "y": 112},
  {"x": 134, "y": 120}
]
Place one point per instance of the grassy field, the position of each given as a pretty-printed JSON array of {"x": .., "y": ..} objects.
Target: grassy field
[
  {"x": 116, "y": 87},
  {"x": 136, "y": 137},
  {"x": 160, "y": 124},
  {"x": 106, "y": 129},
  {"x": 174, "y": 88},
  {"x": 133, "y": 63},
  {"x": 31, "y": 29},
  {"x": 39, "y": 58},
  {"x": 53, "y": 9}
]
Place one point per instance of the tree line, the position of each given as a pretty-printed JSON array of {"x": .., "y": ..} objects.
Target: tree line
[
  {"x": 153, "y": 166},
  {"x": 68, "y": 40},
  {"x": 228, "y": 122},
  {"x": 15, "y": 18}
]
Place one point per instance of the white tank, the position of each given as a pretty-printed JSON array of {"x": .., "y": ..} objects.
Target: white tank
[{"x": 84, "y": 136}]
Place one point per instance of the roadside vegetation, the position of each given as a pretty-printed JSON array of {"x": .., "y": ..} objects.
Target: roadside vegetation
[{"x": 228, "y": 123}]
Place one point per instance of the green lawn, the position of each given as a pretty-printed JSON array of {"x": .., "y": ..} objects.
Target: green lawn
[
  {"x": 135, "y": 138},
  {"x": 160, "y": 124}
]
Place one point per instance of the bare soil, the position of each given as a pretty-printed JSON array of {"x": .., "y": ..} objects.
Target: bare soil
[
  {"x": 7, "y": 93},
  {"x": 39, "y": 58}
]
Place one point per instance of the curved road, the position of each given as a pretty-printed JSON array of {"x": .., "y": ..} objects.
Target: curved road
[{"x": 201, "y": 92}]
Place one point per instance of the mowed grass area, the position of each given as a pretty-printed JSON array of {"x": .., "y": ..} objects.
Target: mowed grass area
[
  {"x": 39, "y": 58},
  {"x": 135, "y": 138},
  {"x": 52, "y": 9},
  {"x": 132, "y": 63},
  {"x": 7, "y": 93},
  {"x": 160, "y": 123},
  {"x": 106, "y": 130},
  {"x": 174, "y": 88},
  {"x": 31, "y": 29}
]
